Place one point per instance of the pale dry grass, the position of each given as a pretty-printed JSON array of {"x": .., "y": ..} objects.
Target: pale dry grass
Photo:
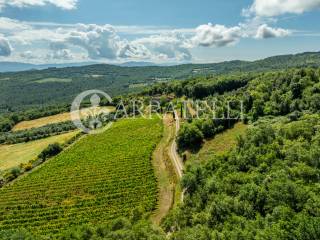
[
  {"x": 62, "y": 117},
  {"x": 13, "y": 155}
]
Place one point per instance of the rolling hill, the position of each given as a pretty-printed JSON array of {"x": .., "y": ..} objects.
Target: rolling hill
[{"x": 60, "y": 85}]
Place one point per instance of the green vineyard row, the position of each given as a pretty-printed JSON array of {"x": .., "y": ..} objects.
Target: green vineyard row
[{"x": 99, "y": 178}]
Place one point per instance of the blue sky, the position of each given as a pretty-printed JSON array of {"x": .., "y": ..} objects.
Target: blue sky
[{"x": 176, "y": 31}]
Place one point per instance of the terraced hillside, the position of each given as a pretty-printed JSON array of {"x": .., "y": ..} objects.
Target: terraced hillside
[{"x": 99, "y": 178}]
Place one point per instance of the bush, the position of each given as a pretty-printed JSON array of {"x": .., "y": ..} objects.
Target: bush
[
  {"x": 189, "y": 137},
  {"x": 27, "y": 167},
  {"x": 2, "y": 182},
  {"x": 50, "y": 151},
  {"x": 16, "y": 172},
  {"x": 207, "y": 127}
]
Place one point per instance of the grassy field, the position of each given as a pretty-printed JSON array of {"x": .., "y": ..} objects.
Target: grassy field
[
  {"x": 98, "y": 178},
  {"x": 220, "y": 144},
  {"x": 62, "y": 117},
  {"x": 13, "y": 155}
]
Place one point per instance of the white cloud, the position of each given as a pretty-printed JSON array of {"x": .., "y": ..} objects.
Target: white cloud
[
  {"x": 134, "y": 50},
  {"x": 151, "y": 30},
  {"x": 5, "y": 47},
  {"x": 216, "y": 35},
  {"x": 99, "y": 41},
  {"x": 51, "y": 42},
  {"x": 28, "y": 55},
  {"x": 8, "y": 25},
  {"x": 271, "y": 8},
  {"x": 103, "y": 42},
  {"x": 63, "y": 4},
  {"x": 62, "y": 54},
  {"x": 264, "y": 31},
  {"x": 164, "y": 47}
]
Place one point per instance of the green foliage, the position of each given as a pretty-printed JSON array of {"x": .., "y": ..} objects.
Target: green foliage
[
  {"x": 266, "y": 188},
  {"x": 189, "y": 137},
  {"x": 283, "y": 93},
  {"x": 36, "y": 133},
  {"x": 16, "y": 235},
  {"x": 50, "y": 151},
  {"x": 199, "y": 88},
  {"x": 10, "y": 118},
  {"x": 278, "y": 93},
  {"x": 116, "y": 229}
]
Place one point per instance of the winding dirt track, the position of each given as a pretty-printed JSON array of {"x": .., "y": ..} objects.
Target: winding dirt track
[
  {"x": 174, "y": 150},
  {"x": 174, "y": 155}
]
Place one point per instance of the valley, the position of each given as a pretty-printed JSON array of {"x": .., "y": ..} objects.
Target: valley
[{"x": 240, "y": 153}]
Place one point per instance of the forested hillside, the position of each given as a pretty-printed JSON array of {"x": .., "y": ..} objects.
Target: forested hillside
[
  {"x": 28, "y": 89},
  {"x": 268, "y": 186}
]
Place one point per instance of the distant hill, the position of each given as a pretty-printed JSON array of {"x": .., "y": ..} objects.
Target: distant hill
[
  {"x": 146, "y": 64},
  {"x": 137, "y": 64},
  {"x": 15, "y": 66},
  {"x": 18, "y": 66},
  {"x": 20, "y": 90}
]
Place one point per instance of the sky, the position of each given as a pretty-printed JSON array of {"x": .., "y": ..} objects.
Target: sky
[{"x": 166, "y": 31}]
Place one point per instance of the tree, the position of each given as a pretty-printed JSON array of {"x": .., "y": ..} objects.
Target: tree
[{"x": 189, "y": 137}]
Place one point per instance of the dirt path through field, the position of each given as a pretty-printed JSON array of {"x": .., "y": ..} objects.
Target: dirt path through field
[
  {"x": 165, "y": 171},
  {"x": 169, "y": 168}
]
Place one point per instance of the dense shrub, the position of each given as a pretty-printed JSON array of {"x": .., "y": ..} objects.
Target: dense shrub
[
  {"x": 50, "y": 151},
  {"x": 36, "y": 133},
  {"x": 189, "y": 137}
]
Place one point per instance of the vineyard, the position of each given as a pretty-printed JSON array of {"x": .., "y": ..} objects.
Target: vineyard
[{"x": 99, "y": 178}]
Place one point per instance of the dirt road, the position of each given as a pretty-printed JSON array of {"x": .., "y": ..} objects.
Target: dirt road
[
  {"x": 174, "y": 151},
  {"x": 168, "y": 168}
]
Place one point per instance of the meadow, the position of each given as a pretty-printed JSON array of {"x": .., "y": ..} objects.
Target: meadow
[
  {"x": 97, "y": 179},
  {"x": 220, "y": 144},
  {"x": 57, "y": 118},
  {"x": 16, "y": 154}
]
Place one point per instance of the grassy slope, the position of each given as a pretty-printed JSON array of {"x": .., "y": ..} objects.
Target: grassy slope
[
  {"x": 62, "y": 117},
  {"x": 100, "y": 177},
  {"x": 14, "y": 155},
  {"x": 220, "y": 144}
]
